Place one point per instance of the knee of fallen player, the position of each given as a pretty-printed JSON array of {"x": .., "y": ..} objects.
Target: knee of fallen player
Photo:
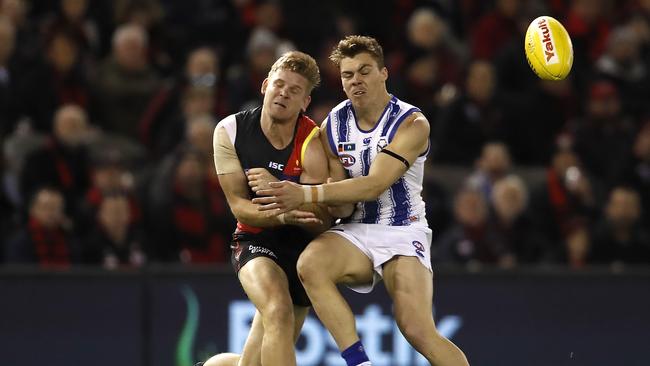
[{"x": 223, "y": 359}]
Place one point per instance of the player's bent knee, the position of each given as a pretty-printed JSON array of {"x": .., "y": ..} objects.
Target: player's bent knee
[
  {"x": 278, "y": 315},
  {"x": 416, "y": 332},
  {"x": 309, "y": 268}
]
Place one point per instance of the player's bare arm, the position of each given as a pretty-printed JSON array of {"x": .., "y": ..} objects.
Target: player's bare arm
[
  {"x": 234, "y": 183},
  {"x": 315, "y": 171},
  {"x": 336, "y": 173},
  {"x": 411, "y": 140}
]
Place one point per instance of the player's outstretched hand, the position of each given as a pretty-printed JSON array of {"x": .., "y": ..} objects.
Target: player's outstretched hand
[
  {"x": 283, "y": 196},
  {"x": 259, "y": 178}
]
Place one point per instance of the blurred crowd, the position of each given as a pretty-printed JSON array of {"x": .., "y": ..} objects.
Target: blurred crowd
[{"x": 107, "y": 110}]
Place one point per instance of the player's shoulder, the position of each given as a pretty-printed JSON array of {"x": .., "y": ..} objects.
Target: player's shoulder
[
  {"x": 227, "y": 125},
  {"x": 344, "y": 105},
  {"x": 227, "y": 121},
  {"x": 416, "y": 122},
  {"x": 406, "y": 109},
  {"x": 409, "y": 112}
]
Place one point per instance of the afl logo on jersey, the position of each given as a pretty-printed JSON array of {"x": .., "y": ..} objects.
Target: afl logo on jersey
[{"x": 347, "y": 160}]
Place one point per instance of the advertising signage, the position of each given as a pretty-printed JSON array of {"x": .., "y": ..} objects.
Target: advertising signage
[{"x": 180, "y": 318}]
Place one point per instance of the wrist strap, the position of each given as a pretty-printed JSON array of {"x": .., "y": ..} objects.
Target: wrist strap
[{"x": 313, "y": 194}]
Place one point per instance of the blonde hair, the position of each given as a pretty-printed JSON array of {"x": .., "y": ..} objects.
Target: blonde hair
[{"x": 300, "y": 63}]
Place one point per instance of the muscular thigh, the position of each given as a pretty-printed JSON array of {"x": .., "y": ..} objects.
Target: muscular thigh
[
  {"x": 408, "y": 281},
  {"x": 336, "y": 257},
  {"x": 282, "y": 250},
  {"x": 262, "y": 279}
]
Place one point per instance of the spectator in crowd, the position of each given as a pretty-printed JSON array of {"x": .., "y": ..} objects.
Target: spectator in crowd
[
  {"x": 125, "y": 82},
  {"x": 189, "y": 219},
  {"x": 620, "y": 236},
  {"x": 562, "y": 205},
  {"x": 201, "y": 72},
  {"x": 510, "y": 224},
  {"x": 63, "y": 161},
  {"x": 197, "y": 102},
  {"x": 71, "y": 15},
  {"x": 46, "y": 239},
  {"x": 432, "y": 59},
  {"x": 603, "y": 137},
  {"x": 465, "y": 241},
  {"x": 494, "y": 29},
  {"x": 114, "y": 242},
  {"x": 622, "y": 64},
  {"x": 493, "y": 165},
  {"x": 109, "y": 175},
  {"x": 500, "y": 236},
  {"x": 60, "y": 79},
  {"x": 149, "y": 15},
  {"x": 27, "y": 50},
  {"x": 469, "y": 121}
]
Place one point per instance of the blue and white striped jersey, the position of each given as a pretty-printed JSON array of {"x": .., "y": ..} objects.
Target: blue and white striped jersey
[{"x": 402, "y": 203}]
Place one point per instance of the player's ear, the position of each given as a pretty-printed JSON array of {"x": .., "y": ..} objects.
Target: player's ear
[
  {"x": 265, "y": 84},
  {"x": 384, "y": 73},
  {"x": 305, "y": 103}
]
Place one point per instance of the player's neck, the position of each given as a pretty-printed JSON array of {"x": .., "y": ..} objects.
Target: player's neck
[
  {"x": 368, "y": 114},
  {"x": 278, "y": 132}
]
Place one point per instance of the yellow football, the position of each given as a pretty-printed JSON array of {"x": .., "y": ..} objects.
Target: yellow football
[{"x": 548, "y": 48}]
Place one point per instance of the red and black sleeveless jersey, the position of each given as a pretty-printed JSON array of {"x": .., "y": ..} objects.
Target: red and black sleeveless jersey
[{"x": 255, "y": 151}]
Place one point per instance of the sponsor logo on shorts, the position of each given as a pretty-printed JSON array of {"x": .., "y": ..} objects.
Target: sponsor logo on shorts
[
  {"x": 237, "y": 250},
  {"x": 419, "y": 248},
  {"x": 254, "y": 249}
]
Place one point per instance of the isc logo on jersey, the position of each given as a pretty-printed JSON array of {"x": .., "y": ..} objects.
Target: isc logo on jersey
[
  {"x": 276, "y": 166},
  {"x": 548, "y": 49}
]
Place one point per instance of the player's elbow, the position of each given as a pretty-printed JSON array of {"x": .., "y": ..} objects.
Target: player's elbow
[{"x": 244, "y": 216}]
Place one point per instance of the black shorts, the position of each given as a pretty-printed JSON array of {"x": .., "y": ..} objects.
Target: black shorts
[{"x": 282, "y": 246}]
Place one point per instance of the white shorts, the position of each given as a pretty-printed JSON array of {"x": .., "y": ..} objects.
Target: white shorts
[{"x": 381, "y": 243}]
